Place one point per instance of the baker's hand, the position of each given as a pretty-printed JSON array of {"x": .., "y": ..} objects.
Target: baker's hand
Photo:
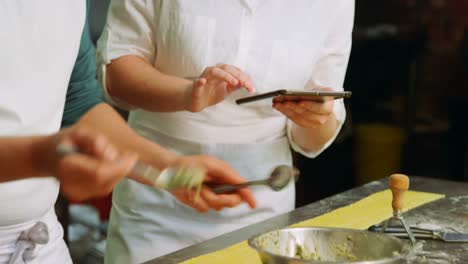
[
  {"x": 307, "y": 114},
  {"x": 214, "y": 84},
  {"x": 95, "y": 171},
  {"x": 217, "y": 172}
]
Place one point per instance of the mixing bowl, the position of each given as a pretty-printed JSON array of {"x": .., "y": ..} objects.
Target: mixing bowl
[{"x": 328, "y": 245}]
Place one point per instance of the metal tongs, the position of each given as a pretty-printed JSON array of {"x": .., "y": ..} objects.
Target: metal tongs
[{"x": 399, "y": 184}]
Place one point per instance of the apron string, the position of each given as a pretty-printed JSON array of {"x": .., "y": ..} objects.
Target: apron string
[{"x": 26, "y": 244}]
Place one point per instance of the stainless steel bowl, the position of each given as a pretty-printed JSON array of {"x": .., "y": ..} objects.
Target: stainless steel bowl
[{"x": 328, "y": 245}]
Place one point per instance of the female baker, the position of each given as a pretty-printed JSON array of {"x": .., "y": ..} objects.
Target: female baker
[{"x": 181, "y": 64}]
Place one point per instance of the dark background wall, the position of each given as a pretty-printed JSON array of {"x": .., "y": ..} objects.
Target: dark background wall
[{"x": 408, "y": 74}]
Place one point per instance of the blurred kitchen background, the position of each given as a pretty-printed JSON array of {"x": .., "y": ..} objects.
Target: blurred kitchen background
[{"x": 409, "y": 111}]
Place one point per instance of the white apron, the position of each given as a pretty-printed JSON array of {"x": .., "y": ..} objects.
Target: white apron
[
  {"x": 147, "y": 223},
  {"x": 39, "y": 43},
  {"x": 18, "y": 251}
]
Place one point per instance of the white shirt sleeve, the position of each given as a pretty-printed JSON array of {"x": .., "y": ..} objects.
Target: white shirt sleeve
[
  {"x": 129, "y": 30},
  {"x": 331, "y": 68}
]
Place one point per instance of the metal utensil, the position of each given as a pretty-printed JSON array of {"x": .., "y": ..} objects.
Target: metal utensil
[
  {"x": 422, "y": 233},
  {"x": 399, "y": 184},
  {"x": 328, "y": 245},
  {"x": 279, "y": 178},
  {"x": 149, "y": 175}
]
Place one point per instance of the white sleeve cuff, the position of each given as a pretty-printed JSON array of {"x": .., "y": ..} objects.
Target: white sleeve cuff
[{"x": 340, "y": 113}]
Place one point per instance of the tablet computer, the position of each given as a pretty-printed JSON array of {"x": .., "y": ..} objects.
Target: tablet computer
[{"x": 290, "y": 95}]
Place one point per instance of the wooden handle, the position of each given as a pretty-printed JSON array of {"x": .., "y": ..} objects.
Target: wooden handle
[{"x": 399, "y": 184}]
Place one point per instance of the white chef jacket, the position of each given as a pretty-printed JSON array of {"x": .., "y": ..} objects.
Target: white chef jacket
[
  {"x": 39, "y": 42},
  {"x": 300, "y": 44}
]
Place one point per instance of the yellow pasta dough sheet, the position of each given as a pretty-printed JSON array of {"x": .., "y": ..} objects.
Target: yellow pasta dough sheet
[{"x": 359, "y": 215}]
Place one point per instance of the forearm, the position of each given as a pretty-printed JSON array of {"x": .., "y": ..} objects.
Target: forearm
[
  {"x": 136, "y": 82},
  {"x": 107, "y": 121},
  {"x": 25, "y": 157},
  {"x": 314, "y": 138}
]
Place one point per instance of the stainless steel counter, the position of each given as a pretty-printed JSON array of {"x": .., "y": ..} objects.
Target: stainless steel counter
[{"x": 451, "y": 211}]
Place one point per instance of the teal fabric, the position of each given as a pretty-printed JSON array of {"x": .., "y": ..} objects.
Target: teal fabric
[{"x": 84, "y": 91}]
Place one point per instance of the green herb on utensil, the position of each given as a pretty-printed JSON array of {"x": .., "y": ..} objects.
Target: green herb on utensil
[{"x": 187, "y": 178}]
